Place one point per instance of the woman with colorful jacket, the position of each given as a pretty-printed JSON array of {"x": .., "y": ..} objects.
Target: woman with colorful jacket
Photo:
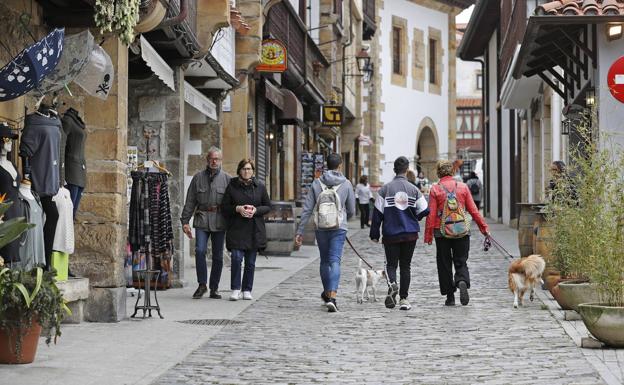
[{"x": 451, "y": 251}]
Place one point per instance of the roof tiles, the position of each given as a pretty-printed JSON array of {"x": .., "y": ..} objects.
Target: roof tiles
[{"x": 581, "y": 8}]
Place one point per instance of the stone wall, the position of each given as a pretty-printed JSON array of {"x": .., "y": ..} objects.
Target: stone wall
[{"x": 156, "y": 109}]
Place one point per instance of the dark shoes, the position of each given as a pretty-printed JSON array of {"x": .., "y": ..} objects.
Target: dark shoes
[
  {"x": 325, "y": 298},
  {"x": 393, "y": 290},
  {"x": 201, "y": 290},
  {"x": 463, "y": 293},
  {"x": 450, "y": 299},
  {"x": 214, "y": 294},
  {"x": 331, "y": 305}
]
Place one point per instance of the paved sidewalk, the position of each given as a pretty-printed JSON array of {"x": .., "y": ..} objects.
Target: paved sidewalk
[
  {"x": 137, "y": 351},
  {"x": 288, "y": 337}
]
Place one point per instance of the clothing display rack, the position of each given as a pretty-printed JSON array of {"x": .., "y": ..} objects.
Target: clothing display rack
[{"x": 150, "y": 233}]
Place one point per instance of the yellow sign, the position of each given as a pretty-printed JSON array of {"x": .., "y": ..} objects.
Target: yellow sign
[
  {"x": 274, "y": 56},
  {"x": 332, "y": 116}
]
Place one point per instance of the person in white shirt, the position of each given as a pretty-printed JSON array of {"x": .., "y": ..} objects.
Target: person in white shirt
[{"x": 363, "y": 195}]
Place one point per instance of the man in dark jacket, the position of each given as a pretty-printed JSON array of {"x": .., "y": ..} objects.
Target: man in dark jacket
[
  {"x": 330, "y": 241},
  {"x": 203, "y": 200},
  {"x": 399, "y": 206}
]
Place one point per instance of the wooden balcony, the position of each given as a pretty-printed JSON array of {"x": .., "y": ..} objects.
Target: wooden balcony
[
  {"x": 369, "y": 27},
  {"x": 306, "y": 62},
  {"x": 513, "y": 22}
]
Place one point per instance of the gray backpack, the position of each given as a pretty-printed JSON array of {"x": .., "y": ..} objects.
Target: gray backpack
[{"x": 328, "y": 211}]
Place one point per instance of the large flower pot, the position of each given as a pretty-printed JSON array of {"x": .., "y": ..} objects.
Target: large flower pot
[
  {"x": 606, "y": 323},
  {"x": 28, "y": 348},
  {"x": 550, "y": 281},
  {"x": 572, "y": 293},
  {"x": 554, "y": 290}
]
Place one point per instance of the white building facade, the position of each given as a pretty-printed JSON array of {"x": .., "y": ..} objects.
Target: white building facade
[{"x": 417, "y": 51}]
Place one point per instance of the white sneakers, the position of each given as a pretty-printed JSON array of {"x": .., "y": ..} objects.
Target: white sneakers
[
  {"x": 236, "y": 295},
  {"x": 404, "y": 304}
]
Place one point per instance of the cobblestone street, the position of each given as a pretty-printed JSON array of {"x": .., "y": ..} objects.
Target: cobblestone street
[{"x": 288, "y": 337}]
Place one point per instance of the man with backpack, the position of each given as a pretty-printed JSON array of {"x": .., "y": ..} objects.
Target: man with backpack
[
  {"x": 331, "y": 202},
  {"x": 449, "y": 223},
  {"x": 399, "y": 206},
  {"x": 475, "y": 186}
]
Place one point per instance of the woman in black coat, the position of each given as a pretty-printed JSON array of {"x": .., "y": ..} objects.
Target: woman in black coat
[{"x": 244, "y": 205}]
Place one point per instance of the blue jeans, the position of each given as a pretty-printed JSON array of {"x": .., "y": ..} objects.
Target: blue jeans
[
  {"x": 250, "y": 267},
  {"x": 330, "y": 245},
  {"x": 201, "y": 245},
  {"x": 75, "y": 193}
]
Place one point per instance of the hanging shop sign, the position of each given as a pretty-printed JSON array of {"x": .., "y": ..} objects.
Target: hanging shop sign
[
  {"x": 332, "y": 116},
  {"x": 615, "y": 79},
  {"x": 274, "y": 56}
]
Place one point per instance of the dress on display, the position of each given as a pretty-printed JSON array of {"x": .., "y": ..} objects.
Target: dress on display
[
  {"x": 32, "y": 251},
  {"x": 64, "y": 235},
  {"x": 9, "y": 186},
  {"x": 73, "y": 155}
]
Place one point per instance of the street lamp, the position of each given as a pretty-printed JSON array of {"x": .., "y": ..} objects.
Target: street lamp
[
  {"x": 590, "y": 97},
  {"x": 363, "y": 60}
]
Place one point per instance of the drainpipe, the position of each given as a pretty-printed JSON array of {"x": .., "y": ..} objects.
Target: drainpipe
[{"x": 176, "y": 19}]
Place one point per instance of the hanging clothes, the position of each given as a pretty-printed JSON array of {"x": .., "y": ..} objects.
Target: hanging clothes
[
  {"x": 32, "y": 250},
  {"x": 8, "y": 186},
  {"x": 64, "y": 234},
  {"x": 75, "y": 164},
  {"x": 150, "y": 232}
]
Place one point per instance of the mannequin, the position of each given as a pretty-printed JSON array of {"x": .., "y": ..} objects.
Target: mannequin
[
  {"x": 75, "y": 165},
  {"x": 9, "y": 181},
  {"x": 40, "y": 152},
  {"x": 32, "y": 250}
]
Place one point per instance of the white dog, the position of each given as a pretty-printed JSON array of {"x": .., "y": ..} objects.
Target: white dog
[
  {"x": 525, "y": 274},
  {"x": 365, "y": 279}
]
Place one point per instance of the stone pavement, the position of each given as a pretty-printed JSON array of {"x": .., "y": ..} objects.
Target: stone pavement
[{"x": 288, "y": 337}]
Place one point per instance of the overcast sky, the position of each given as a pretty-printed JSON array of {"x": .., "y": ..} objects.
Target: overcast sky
[{"x": 464, "y": 17}]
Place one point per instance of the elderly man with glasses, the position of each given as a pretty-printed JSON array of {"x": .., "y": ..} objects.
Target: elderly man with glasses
[{"x": 203, "y": 201}]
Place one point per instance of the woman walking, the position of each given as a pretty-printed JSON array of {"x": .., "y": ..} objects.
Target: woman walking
[
  {"x": 244, "y": 205},
  {"x": 363, "y": 195},
  {"x": 448, "y": 202}
]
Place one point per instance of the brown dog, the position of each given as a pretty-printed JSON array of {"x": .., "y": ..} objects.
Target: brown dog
[{"x": 525, "y": 274}]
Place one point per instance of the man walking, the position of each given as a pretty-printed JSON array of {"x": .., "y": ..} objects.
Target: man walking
[
  {"x": 332, "y": 202},
  {"x": 399, "y": 206},
  {"x": 203, "y": 200}
]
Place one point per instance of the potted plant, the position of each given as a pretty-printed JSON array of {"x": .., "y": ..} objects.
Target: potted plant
[
  {"x": 29, "y": 300},
  {"x": 576, "y": 211}
]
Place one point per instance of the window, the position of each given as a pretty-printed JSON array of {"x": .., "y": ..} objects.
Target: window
[
  {"x": 432, "y": 61},
  {"x": 396, "y": 50},
  {"x": 479, "y": 81}
]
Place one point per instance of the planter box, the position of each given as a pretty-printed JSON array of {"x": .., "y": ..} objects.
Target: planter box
[{"x": 606, "y": 323}]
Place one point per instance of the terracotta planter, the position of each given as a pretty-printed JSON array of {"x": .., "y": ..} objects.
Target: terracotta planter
[
  {"x": 606, "y": 323},
  {"x": 551, "y": 281},
  {"x": 30, "y": 340},
  {"x": 573, "y": 293}
]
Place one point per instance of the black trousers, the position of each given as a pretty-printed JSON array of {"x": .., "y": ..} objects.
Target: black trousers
[
  {"x": 49, "y": 228},
  {"x": 364, "y": 214},
  {"x": 400, "y": 254},
  {"x": 449, "y": 253}
]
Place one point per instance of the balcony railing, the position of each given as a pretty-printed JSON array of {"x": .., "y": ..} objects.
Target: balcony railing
[
  {"x": 369, "y": 25},
  {"x": 284, "y": 24}
]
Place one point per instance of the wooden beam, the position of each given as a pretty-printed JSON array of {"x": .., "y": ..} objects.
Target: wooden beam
[
  {"x": 576, "y": 42},
  {"x": 552, "y": 85},
  {"x": 558, "y": 76}
]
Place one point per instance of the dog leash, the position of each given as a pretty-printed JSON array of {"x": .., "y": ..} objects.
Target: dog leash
[
  {"x": 358, "y": 254},
  {"x": 487, "y": 243}
]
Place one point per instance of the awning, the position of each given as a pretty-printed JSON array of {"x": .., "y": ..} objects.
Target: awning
[
  {"x": 291, "y": 110},
  {"x": 518, "y": 93},
  {"x": 208, "y": 73},
  {"x": 199, "y": 101},
  {"x": 157, "y": 64},
  {"x": 483, "y": 22}
]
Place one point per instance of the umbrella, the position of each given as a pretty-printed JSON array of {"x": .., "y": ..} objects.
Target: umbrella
[
  {"x": 26, "y": 70},
  {"x": 97, "y": 75},
  {"x": 76, "y": 51}
]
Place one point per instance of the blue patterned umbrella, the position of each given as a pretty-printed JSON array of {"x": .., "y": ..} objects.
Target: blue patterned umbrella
[{"x": 27, "y": 69}]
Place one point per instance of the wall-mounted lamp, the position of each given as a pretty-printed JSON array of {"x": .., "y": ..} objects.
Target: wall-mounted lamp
[
  {"x": 363, "y": 60},
  {"x": 250, "y": 123},
  {"x": 565, "y": 127},
  {"x": 614, "y": 31},
  {"x": 590, "y": 97},
  {"x": 270, "y": 136}
]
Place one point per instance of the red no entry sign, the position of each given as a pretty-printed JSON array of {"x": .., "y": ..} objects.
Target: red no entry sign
[{"x": 615, "y": 79}]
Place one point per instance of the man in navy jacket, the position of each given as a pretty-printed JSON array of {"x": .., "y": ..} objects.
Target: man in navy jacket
[{"x": 398, "y": 208}]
